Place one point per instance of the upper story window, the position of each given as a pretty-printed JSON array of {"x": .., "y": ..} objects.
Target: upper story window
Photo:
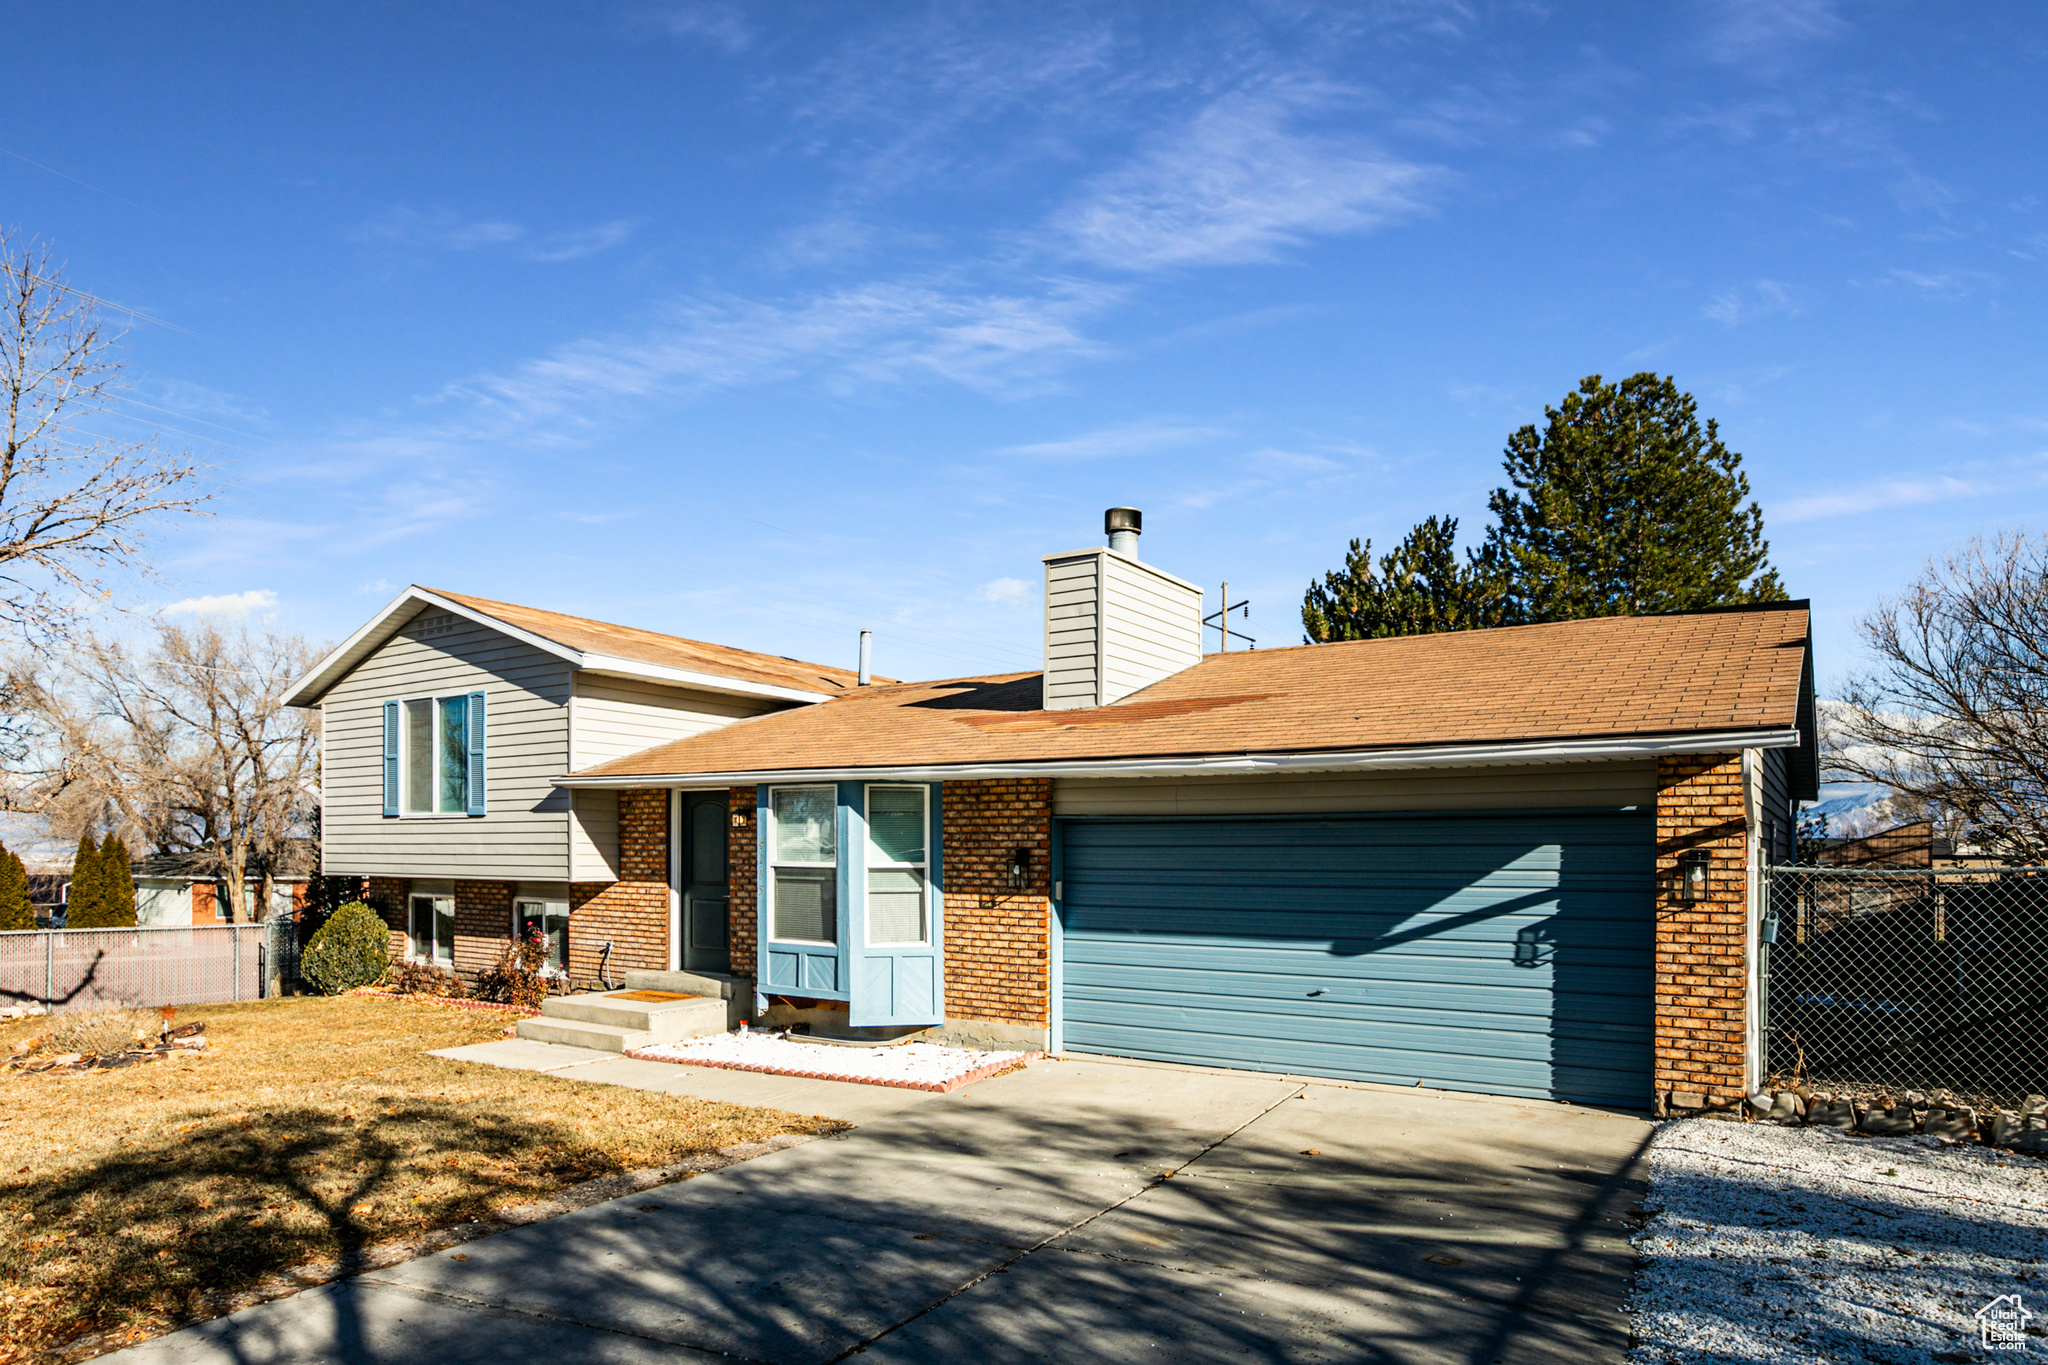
[
  {"x": 434, "y": 755},
  {"x": 803, "y": 861}
]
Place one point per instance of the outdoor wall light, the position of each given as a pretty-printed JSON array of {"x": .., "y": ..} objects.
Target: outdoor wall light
[
  {"x": 1692, "y": 876},
  {"x": 739, "y": 819},
  {"x": 1020, "y": 868}
]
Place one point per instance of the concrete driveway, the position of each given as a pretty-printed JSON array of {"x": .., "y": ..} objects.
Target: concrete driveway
[{"x": 1072, "y": 1211}]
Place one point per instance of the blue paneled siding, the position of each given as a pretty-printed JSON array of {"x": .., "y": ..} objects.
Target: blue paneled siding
[{"x": 1505, "y": 954}]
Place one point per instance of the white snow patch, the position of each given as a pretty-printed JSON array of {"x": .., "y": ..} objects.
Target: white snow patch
[
  {"x": 918, "y": 1066},
  {"x": 1773, "y": 1244}
]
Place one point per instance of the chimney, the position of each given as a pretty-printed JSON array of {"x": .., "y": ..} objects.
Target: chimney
[
  {"x": 867, "y": 640},
  {"x": 1114, "y": 624}
]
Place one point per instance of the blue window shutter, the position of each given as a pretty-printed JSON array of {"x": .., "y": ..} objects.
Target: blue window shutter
[
  {"x": 476, "y": 753},
  {"x": 391, "y": 758}
]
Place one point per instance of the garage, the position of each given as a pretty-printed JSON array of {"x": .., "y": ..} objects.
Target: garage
[{"x": 1507, "y": 954}]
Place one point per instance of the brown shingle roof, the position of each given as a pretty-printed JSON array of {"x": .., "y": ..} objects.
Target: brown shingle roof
[
  {"x": 671, "y": 651},
  {"x": 1614, "y": 677}
]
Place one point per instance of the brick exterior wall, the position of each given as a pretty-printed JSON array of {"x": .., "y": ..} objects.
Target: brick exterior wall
[
  {"x": 387, "y": 896},
  {"x": 743, "y": 908},
  {"x": 631, "y": 912},
  {"x": 998, "y": 941},
  {"x": 483, "y": 924},
  {"x": 1701, "y": 949}
]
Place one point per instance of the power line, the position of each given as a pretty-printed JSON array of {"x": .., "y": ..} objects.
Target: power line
[
  {"x": 96, "y": 299},
  {"x": 94, "y": 188}
]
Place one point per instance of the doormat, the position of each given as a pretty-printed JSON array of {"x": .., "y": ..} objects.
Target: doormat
[
  {"x": 912, "y": 1066},
  {"x": 651, "y": 997}
]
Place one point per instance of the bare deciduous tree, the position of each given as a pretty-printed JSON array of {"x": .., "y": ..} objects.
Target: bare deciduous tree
[
  {"x": 74, "y": 502},
  {"x": 1955, "y": 715},
  {"x": 185, "y": 749}
]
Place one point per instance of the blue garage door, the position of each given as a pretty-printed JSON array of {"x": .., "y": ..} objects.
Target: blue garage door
[{"x": 1505, "y": 954}]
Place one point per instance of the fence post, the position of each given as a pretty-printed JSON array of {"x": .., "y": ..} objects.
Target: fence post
[
  {"x": 236, "y": 930},
  {"x": 49, "y": 971}
]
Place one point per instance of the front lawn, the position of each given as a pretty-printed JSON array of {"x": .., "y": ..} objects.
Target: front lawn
[{"x": 309, "y": 1131}]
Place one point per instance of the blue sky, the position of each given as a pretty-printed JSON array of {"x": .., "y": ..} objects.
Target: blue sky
[{"x": 766, "y": 322}]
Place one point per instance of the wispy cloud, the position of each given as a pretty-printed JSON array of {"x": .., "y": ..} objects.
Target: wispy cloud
[
  {"x": 1875, "y": 496},
  {"x": 1765, "y": 33},
  {"x": 1014, "y": 591},
  {"x": 722, "y": 26},
  {"x": 449, "y": 232},
  {"x": 233, "y": 606},
  {"x": 1239, "y": 183},
  {"x": 879, "y": 332},
  {"x": 1942, "y": 284},
  {"x": 1752, "y": 302},
  {"x": 1137, "y": 438}
]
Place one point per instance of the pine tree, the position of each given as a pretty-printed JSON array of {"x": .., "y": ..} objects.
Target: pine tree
[
  {"x": 117, "y": 885},
  {"x": 1623, "y": 504},
  {"x": 16, "y": 910},
  {"x": 83, "y": 906},
  {"x": 1420, "y": 587}
]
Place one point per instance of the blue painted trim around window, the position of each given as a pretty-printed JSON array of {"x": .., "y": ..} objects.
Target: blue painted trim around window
[
  {"x": 1056, "y": 955},
  {"x": 760, "y": 901},
  {"x": 935, "y": 870}
]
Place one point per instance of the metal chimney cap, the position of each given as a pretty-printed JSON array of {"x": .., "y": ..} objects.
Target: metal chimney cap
[{"x": 1123, "y": 519}]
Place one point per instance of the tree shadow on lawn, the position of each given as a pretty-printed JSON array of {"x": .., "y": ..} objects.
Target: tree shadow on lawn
[
  {"x": 156, "y": 1235},
  {"x": 919, "y": 1240}
]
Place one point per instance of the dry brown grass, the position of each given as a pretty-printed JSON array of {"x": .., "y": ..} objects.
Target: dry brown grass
[{"x": 310, "y": 1130}]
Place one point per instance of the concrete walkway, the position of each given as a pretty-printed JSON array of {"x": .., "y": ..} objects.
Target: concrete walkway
[
  {"x": 1072, "y": 1211},
  {"x": 854, "y": 1102}
]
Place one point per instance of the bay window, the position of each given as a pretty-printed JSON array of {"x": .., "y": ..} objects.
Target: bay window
[
  {"x": 803, "y": 863},
  {"x": 897, "y": 908}
]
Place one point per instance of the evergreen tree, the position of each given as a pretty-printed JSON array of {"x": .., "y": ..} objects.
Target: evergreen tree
[
  {"x": 117, "y": 885},
  {"x": 1624, "y": 504},
  {"x": 16, "y": 910},
  {"x": 1420, "y": 587},
  {"x": 83, "y": 906}
]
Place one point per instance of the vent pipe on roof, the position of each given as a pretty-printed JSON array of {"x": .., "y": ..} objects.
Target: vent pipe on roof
[
  {"x": 867, "y": 639},
  {"x": 1123, "y": 526}
]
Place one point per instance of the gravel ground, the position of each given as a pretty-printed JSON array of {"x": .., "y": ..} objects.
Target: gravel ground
[
  {"x": 920, "y": 1066},
  {"x": 1807, "y": 1244}
]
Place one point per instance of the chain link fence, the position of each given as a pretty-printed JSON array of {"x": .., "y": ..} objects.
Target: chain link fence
[
  {"x": 1896, "y": 980},
  {"x": 86, "y": 969}
]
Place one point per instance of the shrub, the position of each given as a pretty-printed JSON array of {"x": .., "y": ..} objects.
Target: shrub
[
  {"x": 519, "y": 977},
  {"x": 352, "y": 949},
  {"x": 424, "y": 978},
  {"x": 102, "y": 1033},
  {"x": 117, "y": 884},
  {"x": 15, "y": 910}
]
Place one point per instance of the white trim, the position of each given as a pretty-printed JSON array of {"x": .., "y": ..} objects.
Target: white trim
[
  {"x": 1131, "y": 560},
  {"x": 308, "y": 690},
  {"x": 1752, "y": 887},
  {"x": 675, "y": 881},
  {"x": 1442, "y": 756}
]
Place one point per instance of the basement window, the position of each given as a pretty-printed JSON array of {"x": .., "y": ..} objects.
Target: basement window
[
  {"x": 433, "y": 929},
  {"x": 803, "y": 864}
]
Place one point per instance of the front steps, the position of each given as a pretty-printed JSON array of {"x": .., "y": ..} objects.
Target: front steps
[
  {"x": 609, "y": 1021},
  {"x": 736, "y": 992}
]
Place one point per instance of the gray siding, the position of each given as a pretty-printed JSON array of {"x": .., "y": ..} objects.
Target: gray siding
[
  {"x": 1560, "y": 786},
  {"x": 1073, "y": 631},
  {"x": 525, "y": 833},
  {"x": 1151, "y": 627},
  {"x": 1780, "y": 831},
  {"x": 594, "y": 836}
]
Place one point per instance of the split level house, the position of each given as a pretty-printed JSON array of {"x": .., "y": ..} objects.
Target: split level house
[{"x": 1521, "y": 861}]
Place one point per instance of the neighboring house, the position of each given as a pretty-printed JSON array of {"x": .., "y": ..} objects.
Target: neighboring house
[
  {"x": 1521, "y": 861},
  {"x": 185, "y": 888},
  {"x": 1907, "y": 846}
]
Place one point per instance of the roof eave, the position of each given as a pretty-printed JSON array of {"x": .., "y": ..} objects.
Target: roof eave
[
  {"x": 308, "y": 691},
  {"x": 1202, "y": 765}
]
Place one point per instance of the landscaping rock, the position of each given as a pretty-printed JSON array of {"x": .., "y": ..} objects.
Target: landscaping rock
[
  {"x": 1894, "y": 1122},
  {"x": 1827, "y": 1113},
  {"x": 1787, "y": 1108},
  {"x": 1957, "y": 1125},
  {"x": 1760, "y": 1103},
  {"x": 2005, "y": 1126}
]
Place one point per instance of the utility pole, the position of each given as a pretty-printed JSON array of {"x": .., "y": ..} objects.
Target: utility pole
[{"x": 1220, "y": 618}]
